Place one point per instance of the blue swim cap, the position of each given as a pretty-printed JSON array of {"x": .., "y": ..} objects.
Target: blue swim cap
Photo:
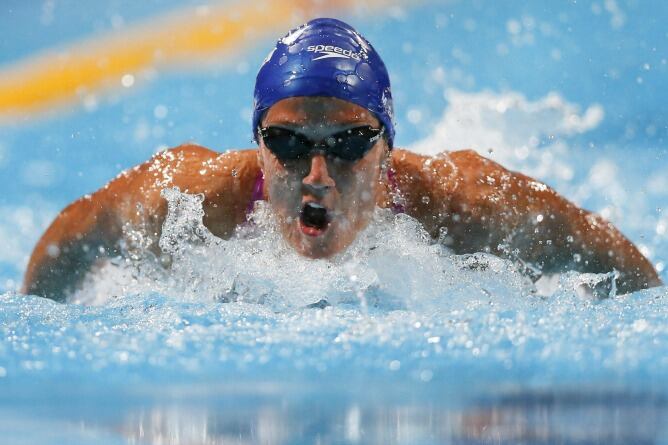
[{"x": 325, "y": 57}]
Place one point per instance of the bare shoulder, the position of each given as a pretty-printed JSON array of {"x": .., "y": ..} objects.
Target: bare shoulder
[
  {"x": 92, "y": 226},
  {"x": 424, "y": 180},
  {"x": 457, "y": 172},
  {"x": 224, "y": 179},
  {"x": 192, "y": 168},
  {"x": 461, "y": 183},
  {"x": 463, "y": 162}
]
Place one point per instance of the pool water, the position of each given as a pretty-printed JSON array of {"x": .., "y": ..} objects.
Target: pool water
[{"x": 395, "y": 341}]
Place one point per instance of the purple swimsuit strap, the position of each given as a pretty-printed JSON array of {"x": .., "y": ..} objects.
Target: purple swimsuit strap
[
  {"x": 258, "y": 192},
  {"x": 397, "y": 206}
]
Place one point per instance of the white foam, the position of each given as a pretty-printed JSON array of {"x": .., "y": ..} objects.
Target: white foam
[
  {"x": 393, "y": 264},
  {"x": 505, "y": 121},
  {"x": 510, "y": 129}
]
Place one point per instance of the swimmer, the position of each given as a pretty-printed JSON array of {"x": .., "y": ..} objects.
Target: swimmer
[{"x": 323, "y": 120}]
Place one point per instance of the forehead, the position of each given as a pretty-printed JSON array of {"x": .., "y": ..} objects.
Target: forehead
[{"x": 309, "y": 111}]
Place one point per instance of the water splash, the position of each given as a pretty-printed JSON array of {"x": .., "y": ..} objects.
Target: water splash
[
  {"x": 514, "y": 131},
  {"x": 393, "y": 264}
]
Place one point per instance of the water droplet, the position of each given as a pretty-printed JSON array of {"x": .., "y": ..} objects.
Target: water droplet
[
  {"x": 127, "y": 80},
  {"x": 363, "y": 71},
  {"x": 160, "y": 112},
  {"x": 426, "y": 375},
  {"x": 53, "y": 251},
  {"x": 352, "y": 79},
  {"x": 640, "y": 325}
]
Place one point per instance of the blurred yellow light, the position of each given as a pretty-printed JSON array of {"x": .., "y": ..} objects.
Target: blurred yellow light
[{"x": 118, "y": 58}]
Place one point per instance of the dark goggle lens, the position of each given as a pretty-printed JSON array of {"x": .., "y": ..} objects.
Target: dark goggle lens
[
  {"x": 354, "y": 143},
  {"x": 349, "y": 145},
  {"x": 285, "y": 144}
]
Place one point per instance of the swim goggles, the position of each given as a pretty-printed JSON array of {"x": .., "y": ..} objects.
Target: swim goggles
[{"x": 349, "y": 145}]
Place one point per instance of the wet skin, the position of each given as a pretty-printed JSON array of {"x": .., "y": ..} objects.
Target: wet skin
[
  {"x": 348, "y": 190},
  {"x": 480, "y": 205}
]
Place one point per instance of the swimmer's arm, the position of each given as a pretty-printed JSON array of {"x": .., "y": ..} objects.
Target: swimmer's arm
[
  {"x": 92, "y": 227},
  {"x": 474, "y": 204}
]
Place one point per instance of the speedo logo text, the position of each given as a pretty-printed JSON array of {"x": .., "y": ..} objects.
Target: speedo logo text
[{"x": 329, "y": 51}]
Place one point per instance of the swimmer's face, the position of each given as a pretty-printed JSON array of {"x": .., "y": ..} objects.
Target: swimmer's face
[{"x": 322, "y": 202}]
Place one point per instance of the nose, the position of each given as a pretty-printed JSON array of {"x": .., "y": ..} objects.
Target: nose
[{"x": 318, "y": 181}]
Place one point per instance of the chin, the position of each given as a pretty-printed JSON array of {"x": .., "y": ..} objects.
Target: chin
[{"x": 316, "y": 245}]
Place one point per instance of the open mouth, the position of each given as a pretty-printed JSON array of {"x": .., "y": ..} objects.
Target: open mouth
[{"x": 313, "y": 219}]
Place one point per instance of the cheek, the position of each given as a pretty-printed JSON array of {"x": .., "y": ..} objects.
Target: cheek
[
  {"x": 284, "y": 191},
  {"x": 360, "y": 190}
]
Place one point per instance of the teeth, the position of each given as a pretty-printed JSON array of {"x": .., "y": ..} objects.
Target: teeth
[{"x": 314, "y": 205}]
